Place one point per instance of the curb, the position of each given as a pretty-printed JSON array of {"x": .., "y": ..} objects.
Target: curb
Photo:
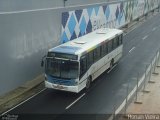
[{"x": 21, "y": 90}]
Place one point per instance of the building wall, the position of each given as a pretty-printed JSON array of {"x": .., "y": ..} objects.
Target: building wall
[
  {"x": 26, "y": 34},
  {"x": 16, "y": 5},
  {"x": 79, "y": 22}
]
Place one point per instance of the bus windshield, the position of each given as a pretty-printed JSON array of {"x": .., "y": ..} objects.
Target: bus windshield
[{"x": 64, "y": 69}]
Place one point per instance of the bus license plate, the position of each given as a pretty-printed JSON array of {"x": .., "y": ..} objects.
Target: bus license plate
[{"x": 58, "y": 87}]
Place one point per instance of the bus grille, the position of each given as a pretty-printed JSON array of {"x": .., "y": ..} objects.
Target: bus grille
[{"x": 61, "y": 81}]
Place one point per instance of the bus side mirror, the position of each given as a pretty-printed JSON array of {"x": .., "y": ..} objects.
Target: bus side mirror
[{"x": 42, "y": 63}]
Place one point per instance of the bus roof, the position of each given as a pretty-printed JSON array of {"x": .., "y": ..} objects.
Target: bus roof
[{"x": 87, "y": 42}]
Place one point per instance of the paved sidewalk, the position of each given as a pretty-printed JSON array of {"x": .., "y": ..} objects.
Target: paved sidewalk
[{"x": 150, "y": 101}]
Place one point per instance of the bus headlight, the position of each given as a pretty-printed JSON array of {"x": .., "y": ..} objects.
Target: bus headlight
[{"x": 45, "y": 77}]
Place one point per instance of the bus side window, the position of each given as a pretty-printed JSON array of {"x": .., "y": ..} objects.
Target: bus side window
[
  {"x": 106, "y": 45},
  {"x": 121, "y": 39},
  {"x": 109, "y": 46},
  {"x": 103, "y": 50},
  {"x": 100, "y": 47},
  {"x": 114, "y": 43},
  {"x": 117, "y": 41},
  {"x": 83, "y": 65},
  {"x": 97, "y": 54},
  {"x": 89, "y": 59}
]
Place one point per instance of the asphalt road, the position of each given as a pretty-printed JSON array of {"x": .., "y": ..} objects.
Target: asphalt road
[{"x": 109, "y": 90}]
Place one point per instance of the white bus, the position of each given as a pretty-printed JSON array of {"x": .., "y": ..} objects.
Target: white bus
[{"x": 72, "y": 66}]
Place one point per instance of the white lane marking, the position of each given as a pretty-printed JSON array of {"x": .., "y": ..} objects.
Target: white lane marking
[
  {"x": 23, "y": 102},
  {"x": 136, "y": 26},
  {"x": 145, "y": 37},
  {"x": 132, "y": 49},
  {"x": 122, "y": 59},
  {"x": 75, "y": 101},
  {"x": 154, "y": 29},
  {"x": 112, "y": 68}
]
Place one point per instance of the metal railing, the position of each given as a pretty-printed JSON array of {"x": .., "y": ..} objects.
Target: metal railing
[{"x": 140, "y": 87}]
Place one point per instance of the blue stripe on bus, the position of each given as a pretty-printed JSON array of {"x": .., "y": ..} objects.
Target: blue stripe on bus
[
  {"x": 66, "y": 49},
  {"x": 60, "y": 81}
]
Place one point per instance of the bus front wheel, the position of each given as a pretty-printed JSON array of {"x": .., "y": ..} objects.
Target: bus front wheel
[{"x": 88, "y": 83}]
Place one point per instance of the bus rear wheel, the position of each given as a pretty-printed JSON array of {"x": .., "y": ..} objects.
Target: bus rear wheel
[{"x": 111, "y": 64}]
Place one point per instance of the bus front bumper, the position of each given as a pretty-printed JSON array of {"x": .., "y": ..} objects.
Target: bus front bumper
[{"x": 61, "y": 87}]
